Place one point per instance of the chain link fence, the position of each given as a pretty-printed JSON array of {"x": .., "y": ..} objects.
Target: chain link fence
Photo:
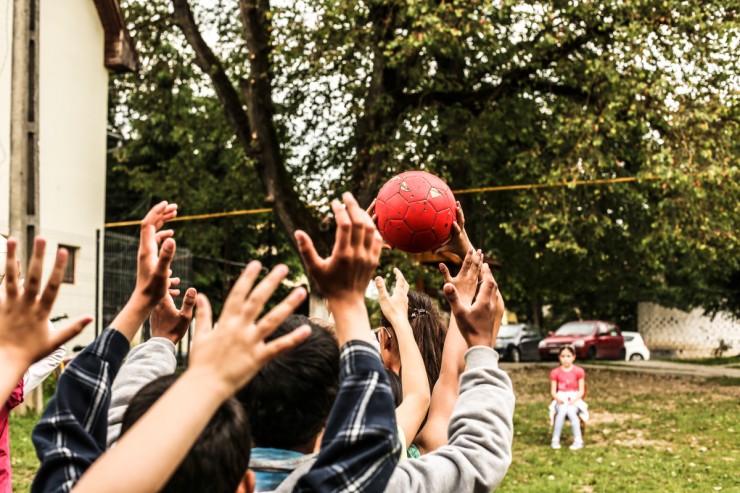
[{"x": 119, "y": 278}]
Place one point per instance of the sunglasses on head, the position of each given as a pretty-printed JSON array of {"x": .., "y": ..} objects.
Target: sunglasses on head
[{"x": 377, "y": 330}]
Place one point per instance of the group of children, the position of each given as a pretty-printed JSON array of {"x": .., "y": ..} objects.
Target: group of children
[
  {"x": 279, "y": 402},
  {"x": 272, "y": 403}
]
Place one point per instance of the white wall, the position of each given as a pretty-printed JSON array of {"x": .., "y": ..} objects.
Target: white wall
[
  {"x": 686, "y": 334},
  {"x": 73, "y": 98},
  {"x": 6, "y": 58}
]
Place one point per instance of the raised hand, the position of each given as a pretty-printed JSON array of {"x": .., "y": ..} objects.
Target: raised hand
[
  {"x": 466, "y": 281},
  {"x": 346, "y": 273},
  {"x": 394, "y": 306},
  {"x": 153, "y": 270},
  {"x": 169, "y": 322},
  {"x": 478, "y": 323},
  {"x": 235, "y": 352},
  {"x": 153, "y": 265},
  {"x": 459, "y": 243},
  {"x": 24, "y": 315}
]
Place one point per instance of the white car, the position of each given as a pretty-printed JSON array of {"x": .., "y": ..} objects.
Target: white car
[{"x": 634, "y": 345}]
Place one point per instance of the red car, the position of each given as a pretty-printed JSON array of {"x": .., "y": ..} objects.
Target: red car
[{"x": 591, "y": 339}]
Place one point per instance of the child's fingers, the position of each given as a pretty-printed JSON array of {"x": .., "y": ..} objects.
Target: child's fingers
[
  {"x": 371, "y": 210},
  {"x": 344, "y": 226},
  {"x": 160, "y": 236},
  {"x": 382, "y": 291},
  {"x": 307, "y": 251},
  {"x": 467, "y": 261},
  {"x": 11, "y": 270},
  {"x": 188, "y": 303},
  {"x": 285, "y": 343},
  {"x": 453, "y": 298},
  {"x": 59, "y": 337},
  {"x": 280, "y": 312},
  {"x": 169, "y": 213},
  {"x": 401, "y": 285},
  {"x": 241, "y": 289},
  {"x": 487, "y": 286},
  {"x": 149, "y": 224},
  {"x": 259, "y": 296},
  {"x": 55, "y": 280},
  {"x": 174, "y": 293},
  {"x": 460, "y": 215},
  {"x": 174, "y": 281},
  {"x": 445, "y": 273},
  {"x": 166, "y": 254},
  {"x": 33, "y": 279},
  {"x": 203, "y": 318}
]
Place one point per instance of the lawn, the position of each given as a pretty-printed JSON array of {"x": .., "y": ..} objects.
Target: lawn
[{"x": 648, "y": 433}]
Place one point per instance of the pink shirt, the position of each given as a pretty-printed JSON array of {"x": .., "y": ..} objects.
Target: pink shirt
[
  {"x": 568, "y": 380},
  {"x": 16, "y": 397}
]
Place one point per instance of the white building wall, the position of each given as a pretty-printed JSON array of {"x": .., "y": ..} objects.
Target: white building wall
[
  {"x": 687, "y": 334},
  {"x": 73, "y": 98},
  {"x": 6, "y": 59}
]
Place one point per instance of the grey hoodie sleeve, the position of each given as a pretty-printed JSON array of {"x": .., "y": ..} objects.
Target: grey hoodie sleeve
[
  {"x": 146, "y": 362},
  {"x": 481, "y": 432}
]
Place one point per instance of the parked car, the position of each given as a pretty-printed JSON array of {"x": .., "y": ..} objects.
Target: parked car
[
  {"x": 591, "y": 339},
  {"x": 635, "y": 346},
  {"x": 518, "y": 342}
]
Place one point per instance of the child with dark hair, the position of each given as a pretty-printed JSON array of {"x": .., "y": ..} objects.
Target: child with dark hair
[
  {"x": 567, "y": 388},
  {"x": 288, "y": 403},
  {"x": 429, "y": 332},
  {"x": 412, "y": 391},
  {"x": 209, "y": 466}
]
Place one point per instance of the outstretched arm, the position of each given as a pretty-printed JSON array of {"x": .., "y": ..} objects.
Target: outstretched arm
[
  {"x": 444, "y": 395},
  {"x": 71, "y": 434},
  {"x": 221, "y": 362},
  {"x": 412, "y": 411},
  {"x": 360, "y": 446},
  {"x": 24, "y": 315},
  {"x": 481, "y": 427}
]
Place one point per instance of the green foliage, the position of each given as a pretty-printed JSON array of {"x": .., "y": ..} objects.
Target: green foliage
[{"x": 483, "y": 94}]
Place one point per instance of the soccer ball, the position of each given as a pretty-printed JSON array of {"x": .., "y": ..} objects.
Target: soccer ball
[{"x": 415, "y": 211}]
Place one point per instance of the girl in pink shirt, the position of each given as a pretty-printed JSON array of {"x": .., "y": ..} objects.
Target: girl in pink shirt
[
  {"x": 567, "y": 387},
  {"x": 15, "y": 398}
]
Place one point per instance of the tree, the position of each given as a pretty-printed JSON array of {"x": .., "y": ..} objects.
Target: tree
[{"x": 336, "y": 95}]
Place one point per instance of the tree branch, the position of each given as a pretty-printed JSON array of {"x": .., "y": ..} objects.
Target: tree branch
[{"x": 209, "y": 63}]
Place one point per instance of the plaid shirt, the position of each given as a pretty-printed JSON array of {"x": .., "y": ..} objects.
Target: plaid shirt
[
  {"x": 71, "y": 434},
  {"x": 360, "y": 447}
]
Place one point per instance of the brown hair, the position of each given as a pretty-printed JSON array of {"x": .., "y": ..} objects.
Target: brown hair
[
  {"x": 429, "y": 332},
  {"x": 569, "y": 348}
]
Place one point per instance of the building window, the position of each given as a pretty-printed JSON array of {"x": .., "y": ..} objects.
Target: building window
[{"x": 69, "y": 271}]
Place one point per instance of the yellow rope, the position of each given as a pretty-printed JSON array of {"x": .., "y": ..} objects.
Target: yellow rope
[{"x": 502, "y": 188}]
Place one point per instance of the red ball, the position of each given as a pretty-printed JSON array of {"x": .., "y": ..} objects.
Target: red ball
[{"x": 415, "y": 211}]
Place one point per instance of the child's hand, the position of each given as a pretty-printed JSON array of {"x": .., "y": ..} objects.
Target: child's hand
[
  {"x": 459, "y": 243},
  {"x": 345, "y": 274},
  {"x": 466, "y": 281},
  {"x": 24, "y": 315},
  {"x": 169, "y": 322},
  {"x": 478, "y": 323},
  {"x": 153, "y": 266},
  {"x": 234, "y": 353},
  {"x": 395, "y": 306}
]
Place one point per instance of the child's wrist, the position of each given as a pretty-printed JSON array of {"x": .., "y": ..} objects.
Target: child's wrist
[
  {"x": 212, "y": 384},
  {"x": 15, "y": 361}
]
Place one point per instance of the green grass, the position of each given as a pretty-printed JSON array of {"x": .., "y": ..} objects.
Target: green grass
[
  {"x": 648, "y": 433},
  {"x": 22, "y": 454}
]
